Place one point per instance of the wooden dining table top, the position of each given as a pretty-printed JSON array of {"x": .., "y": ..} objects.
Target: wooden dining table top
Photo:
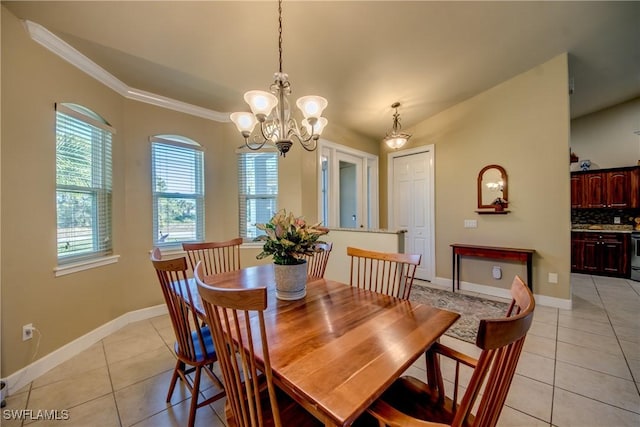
[{"x": 337, "y": 349}]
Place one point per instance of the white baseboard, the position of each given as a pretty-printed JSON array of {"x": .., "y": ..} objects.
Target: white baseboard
[
  {"x": 545, "y": 300},
  {"x": 24, "y": 376}
]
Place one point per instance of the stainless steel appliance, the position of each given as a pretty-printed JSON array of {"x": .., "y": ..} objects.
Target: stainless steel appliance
[{"x": 635, "y": 256}]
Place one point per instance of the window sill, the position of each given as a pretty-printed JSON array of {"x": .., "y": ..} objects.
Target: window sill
[
  {"x": 251, "y": 245},
  {"x": 76, "y": 267},
  {"x": 171, "y": 251}
]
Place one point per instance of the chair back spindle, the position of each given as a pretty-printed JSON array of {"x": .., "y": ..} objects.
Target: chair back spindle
[
  {"x": 317, "y": 263},
  {"x": 216, "y": 257},
  {"x": 387, "y": 273}
]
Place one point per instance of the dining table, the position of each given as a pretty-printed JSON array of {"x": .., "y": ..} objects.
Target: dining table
[{"x": 337, "y": 349}]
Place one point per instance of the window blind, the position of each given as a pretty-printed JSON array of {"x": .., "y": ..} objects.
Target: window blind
[
  {"x": 178, "y": 191},
  {"x": 258, "y": 190},
  {"x": 83, "y": 184}
]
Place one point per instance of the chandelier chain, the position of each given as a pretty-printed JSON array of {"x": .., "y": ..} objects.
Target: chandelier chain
[{"x": 280, "y": 33}]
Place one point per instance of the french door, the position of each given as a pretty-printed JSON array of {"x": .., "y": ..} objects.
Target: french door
[{"x": 348, "y": 193}]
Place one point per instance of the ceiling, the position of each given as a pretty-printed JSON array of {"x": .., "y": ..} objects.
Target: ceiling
[{"x": 360, "y": 55}]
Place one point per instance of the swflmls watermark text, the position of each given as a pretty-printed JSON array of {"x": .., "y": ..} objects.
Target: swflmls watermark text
[{"x": 36, "y": 414}]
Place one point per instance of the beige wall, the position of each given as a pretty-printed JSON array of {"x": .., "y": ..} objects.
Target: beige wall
[
  {"x": 67, "y": 307},
  {"x": 523, "y": 125},
  {"x": 607, "y": 137},
  {"x": 221, "y": 206}
]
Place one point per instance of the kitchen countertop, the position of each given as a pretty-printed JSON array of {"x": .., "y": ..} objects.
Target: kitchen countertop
[{"x": 602, "y": 228}]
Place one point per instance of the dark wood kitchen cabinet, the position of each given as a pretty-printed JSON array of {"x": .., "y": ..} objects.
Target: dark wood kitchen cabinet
[
  {"x": 600, "y": 253},
  {"x": 577, "y": 192},
  {"x": 608, "y": 188}
]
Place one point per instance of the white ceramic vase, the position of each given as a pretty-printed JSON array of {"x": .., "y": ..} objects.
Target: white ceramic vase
[{"x": 291, "y": 281}]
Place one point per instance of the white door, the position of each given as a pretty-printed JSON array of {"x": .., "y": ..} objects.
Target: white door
[{"x": 410, "y": 207}]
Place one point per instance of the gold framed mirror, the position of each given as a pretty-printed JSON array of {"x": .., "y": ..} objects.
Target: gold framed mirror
[{"x": 493, "y": 188}]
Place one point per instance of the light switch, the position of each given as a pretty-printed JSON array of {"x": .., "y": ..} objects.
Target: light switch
[{"x": 470, "y": 223}]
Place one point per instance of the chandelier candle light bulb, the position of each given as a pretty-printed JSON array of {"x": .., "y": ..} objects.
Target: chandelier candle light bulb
[
  {"x": 261, "y": 103},
  {"x": 245, "y": 122}
]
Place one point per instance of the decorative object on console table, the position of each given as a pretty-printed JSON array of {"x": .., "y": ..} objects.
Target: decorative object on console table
[{"x": 288, "y": 239}]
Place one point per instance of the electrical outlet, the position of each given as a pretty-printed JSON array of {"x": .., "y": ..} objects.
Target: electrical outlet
[
  {"x": 470, "y": 223},
  {"x": 553, "y": 277},
  {"x": 27, "y": 332}
]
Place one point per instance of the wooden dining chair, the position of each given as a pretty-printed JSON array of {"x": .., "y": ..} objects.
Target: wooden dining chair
[
  {"x": 387, "y": 273},
  {"x": 216, "y": 257},
  {"x": 194, "y": 346},
  {"x": 317, "y": 263},
  {"x": 411, "y": 402},
  {"x": 236, "y": 318}
]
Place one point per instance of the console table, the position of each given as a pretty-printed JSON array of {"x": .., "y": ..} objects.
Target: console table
[{"x": 493, "y": 252}]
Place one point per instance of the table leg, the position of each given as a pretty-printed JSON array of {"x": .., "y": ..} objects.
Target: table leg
[
  {"x": 453, "y": 270},
  {"x": 529, "y": 273},
  {"x": 458, "y": 268}
]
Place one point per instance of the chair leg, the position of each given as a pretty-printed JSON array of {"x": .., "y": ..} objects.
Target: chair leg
[
  {"x": 174, "y": 379},
  {"x": 194, "y": 397},
  {"x": 231, "y": 421}
]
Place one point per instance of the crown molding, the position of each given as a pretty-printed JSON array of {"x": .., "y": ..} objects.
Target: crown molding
[{"x": 59, "y": 47}]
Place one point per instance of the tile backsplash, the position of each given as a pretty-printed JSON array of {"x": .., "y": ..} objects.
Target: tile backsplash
[{"x": 604, "y": 216}]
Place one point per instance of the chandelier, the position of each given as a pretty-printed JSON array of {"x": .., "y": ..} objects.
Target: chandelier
[
  {"x": 396, "y": 138},
  {"x": 272, "y": 112}
]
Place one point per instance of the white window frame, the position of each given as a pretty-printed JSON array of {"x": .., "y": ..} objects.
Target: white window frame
[
  {"x": 166, "y": 142},
  {"x": 328, "y": 184},
  {"x": 89, "y": 128},
  {"x": 243, "y": 195}
]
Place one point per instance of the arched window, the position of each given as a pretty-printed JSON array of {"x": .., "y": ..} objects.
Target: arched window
[
  {"x": 83, "y": 183},
  {"x": 177, "y": 172}
]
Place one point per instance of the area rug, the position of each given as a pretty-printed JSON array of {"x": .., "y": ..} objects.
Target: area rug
[{"x": 471, "y": 309}]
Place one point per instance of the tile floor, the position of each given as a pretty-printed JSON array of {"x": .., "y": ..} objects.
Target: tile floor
[{"x": 579, "y": 368}]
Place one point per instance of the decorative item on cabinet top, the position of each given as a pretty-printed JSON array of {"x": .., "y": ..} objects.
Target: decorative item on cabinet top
[{"x": 573, "y": 157}]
